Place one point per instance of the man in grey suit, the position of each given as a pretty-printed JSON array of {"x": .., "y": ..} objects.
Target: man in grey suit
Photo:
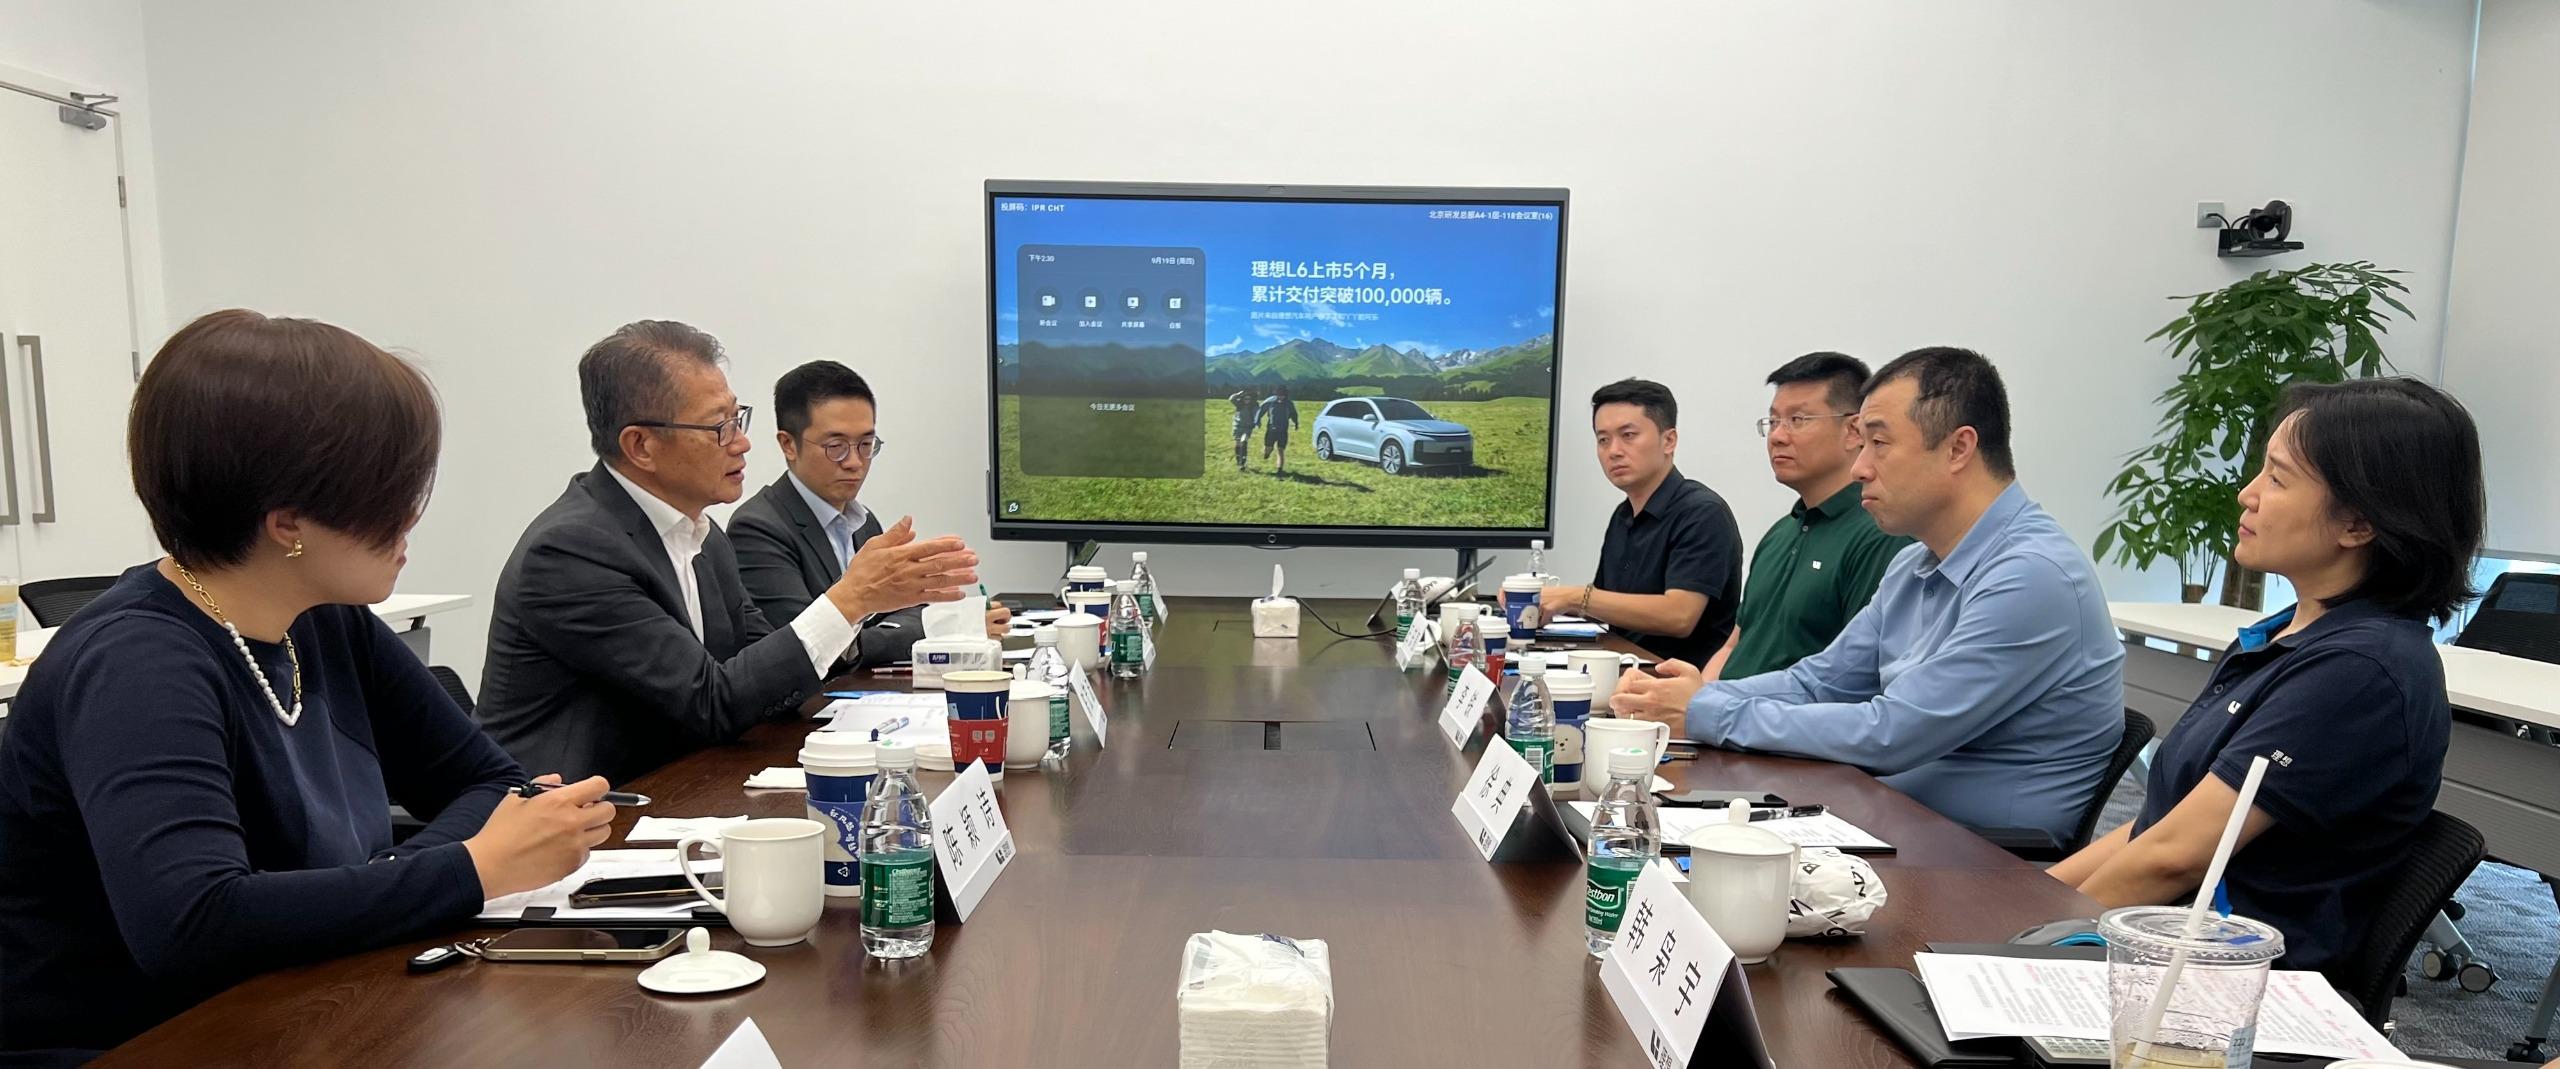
[
  {"x": 797, "y": 536},
  {"x": 622, "y": 637}
]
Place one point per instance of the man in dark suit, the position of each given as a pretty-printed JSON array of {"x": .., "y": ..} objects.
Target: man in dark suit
[
  {"x": 622, "y": 637},
  {"x": 797, "y": 536}
]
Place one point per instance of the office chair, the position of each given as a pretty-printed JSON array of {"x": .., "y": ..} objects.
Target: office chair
[
  {"x": 2439, "y": 859},
  {"x": 2035, "y": 844},
  {"x": 54, "y": 601}
]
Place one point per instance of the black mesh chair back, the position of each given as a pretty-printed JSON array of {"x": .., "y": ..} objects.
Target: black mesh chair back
[
  {"x": 452, "y": 685},
  {"x": 2137, "y": 734},
  {"x": 2439, "y": 859},
  {"x": 53, "y": 601}
]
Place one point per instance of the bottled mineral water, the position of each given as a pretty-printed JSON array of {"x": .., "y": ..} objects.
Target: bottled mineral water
[
  {"x": 897, "y": 859},
  {"x": 1626, "y": 835},
  {"x": 1050, "y": 666},
  {"x": 1465, "y": 655},
  {"x": 1146, "y": 583},
  {"x": 1408, "y": 603},
  {"x": 1531, "y": 725},
  {"x": 1128, "y": 633},
  {"x": 1538, "y": 557}
]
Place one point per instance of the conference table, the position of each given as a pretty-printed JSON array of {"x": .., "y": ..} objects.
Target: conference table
[{"x": 1289, "y": 786}]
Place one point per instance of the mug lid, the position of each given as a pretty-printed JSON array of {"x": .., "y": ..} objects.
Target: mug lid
[
  {"x": 1737, "y": 838},
  {"x": 1077, "y": 619}
]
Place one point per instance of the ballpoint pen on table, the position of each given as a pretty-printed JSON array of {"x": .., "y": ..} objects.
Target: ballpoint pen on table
[{"x": 610, "y": 797}]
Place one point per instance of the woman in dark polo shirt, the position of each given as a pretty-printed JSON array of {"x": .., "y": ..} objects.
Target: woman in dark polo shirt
[
  {"x": 2370, "y": 503},
  {"x": 196, "y": 780}
]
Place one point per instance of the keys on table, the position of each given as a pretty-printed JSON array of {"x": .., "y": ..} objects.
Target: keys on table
[{"x": 437, "y": 957}]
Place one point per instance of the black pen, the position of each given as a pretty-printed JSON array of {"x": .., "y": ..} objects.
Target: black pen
[
  {"x": 610, "y": 797},
  {"x": 1784, "y": 814}
]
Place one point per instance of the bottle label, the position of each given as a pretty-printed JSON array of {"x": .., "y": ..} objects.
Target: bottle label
[
  {"x": 1605, "y": 892},
  {"x": 1404, "y": 625},
  {"x": 1129, "y": 647},
  {"x": 1058, "y": 717},
  {"x": 1541, "y": 755},
  {"x": 1146, "y": 604},
  {"x": 897, "y": 888}
]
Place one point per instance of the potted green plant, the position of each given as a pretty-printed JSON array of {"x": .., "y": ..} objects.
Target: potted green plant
[{"x": 2178, "y": 498}]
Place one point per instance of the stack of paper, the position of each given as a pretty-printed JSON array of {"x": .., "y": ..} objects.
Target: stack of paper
[
  {"x": 670, "y": 829},
  {"x": 1825, "y": 830},
  {"x": 1254, "y": 1002},
  {"x": 1978, "y": 996},
  {"x": 917, "y": 717}
]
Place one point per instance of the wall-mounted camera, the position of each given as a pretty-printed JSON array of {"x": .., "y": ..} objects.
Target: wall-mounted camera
[{"x": 2261, "y": 232}]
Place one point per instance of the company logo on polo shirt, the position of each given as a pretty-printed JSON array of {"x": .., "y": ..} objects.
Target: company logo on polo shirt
[
  {"x": 1817, "y": 566},
  {"x": 2282, "y": 758},
  {"x": 2234, "y": 710}
]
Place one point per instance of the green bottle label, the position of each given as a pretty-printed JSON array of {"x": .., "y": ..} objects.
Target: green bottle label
[
  {"x": 1404, "y": 626},
  {"x": 1541, "y": 755},
  {"x": 1605, "y": 891},
  {"x": 1129, "y": 647},
  {"x": 1057, "y": 718},
  {"x": 897, "y": 888},
  {"x": 1147, "y": 604}
]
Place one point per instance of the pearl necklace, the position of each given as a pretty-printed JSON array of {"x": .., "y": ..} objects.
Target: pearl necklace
[{"x": 264, "y": 687}]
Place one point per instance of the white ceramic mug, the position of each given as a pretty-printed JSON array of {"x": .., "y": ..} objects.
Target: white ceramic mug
[
  {"x": 1602, "y": 734},
  {"x": 1603, "y": 666},
  {"x": 1080, "y": 639},
  {"x": 1026, "y": 732},
  {"x": 771, "y": 869},
  {"x": 1741, "y": 879}
]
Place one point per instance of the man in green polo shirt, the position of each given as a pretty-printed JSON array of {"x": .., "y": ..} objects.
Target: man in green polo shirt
[{"x": 1820, "y": 563}]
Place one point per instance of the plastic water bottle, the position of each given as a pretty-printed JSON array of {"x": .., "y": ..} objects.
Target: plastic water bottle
[
  {"x": 1538, "y": 557},
  {"x": 897, "y": 859},
  {"x": 1050, "y": 666},
  {"x": 1626, "y": 835},
  {"x": 1464, "y": 655},
  {"x": 1128, "y": 633},
  {"x": 1408, "y": 603},
  {"x": 1531, "y": 725},
  {"x": 1146, "y": 583}
]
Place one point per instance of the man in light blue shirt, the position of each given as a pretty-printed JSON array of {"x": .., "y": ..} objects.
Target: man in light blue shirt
[{"x": 1985, "y": 680}]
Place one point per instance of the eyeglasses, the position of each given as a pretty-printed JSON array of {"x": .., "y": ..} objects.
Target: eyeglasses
[
  {"x": 727, "y": 430},
  {"x": 1796, "y": 424},
  {"x": 840, "y": 450}
]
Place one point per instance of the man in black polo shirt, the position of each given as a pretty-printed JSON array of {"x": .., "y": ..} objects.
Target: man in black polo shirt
[{"x": 1671, "y": 565}]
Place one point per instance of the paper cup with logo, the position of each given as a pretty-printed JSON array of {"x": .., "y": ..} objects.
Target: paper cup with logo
[
  {"x": 1605, "y": 733},
  {"x": 840, "y": 768},
  {"x": 1080, "y": 639},
  {"x": 1496, "y": 647},
  {"x": 1518, "y": 593},
  {"x": 1084, "y": 577},
  {"x": 1572, "y": 692},
  {"x": 1026, "y": 727},
  {"x": 1602, "y": 666},
  {"x": 975, "y": 702}
]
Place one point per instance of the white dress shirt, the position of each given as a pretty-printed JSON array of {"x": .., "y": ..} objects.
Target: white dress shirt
[
  {"x": 840, "y": 524},
  {"x": 823, "y": 630}
]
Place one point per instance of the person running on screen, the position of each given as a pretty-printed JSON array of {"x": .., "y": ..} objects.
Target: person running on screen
[{"x": 1242, "y": 428}]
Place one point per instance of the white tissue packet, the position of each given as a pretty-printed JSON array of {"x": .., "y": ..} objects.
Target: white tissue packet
[
  {"x": 1275, "y": 616},
  {"x": 1835, "y": 893},
  {"x": 1254, "y": 1002},
  {"x": 966, "y": 617},
  {"x": 955, "y": 638}
]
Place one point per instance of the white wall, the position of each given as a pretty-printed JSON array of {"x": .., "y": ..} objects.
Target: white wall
[
  {"x": 2500, "y": 355},
  {"x": 494, "y": 185},
  {"x": 96, "y": 46}
]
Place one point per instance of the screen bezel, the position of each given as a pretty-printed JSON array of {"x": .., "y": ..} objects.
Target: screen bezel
[{"x": 1005, "y": 529}]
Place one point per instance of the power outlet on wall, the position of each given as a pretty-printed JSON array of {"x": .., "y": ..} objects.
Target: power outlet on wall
[{"x": 2210, "y": 216}]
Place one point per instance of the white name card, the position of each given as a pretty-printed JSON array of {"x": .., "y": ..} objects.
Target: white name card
[
  {"x": 1665, "y": 972},
  {"x": 1465, "y": 707},
  {"x": 1488, "y": 804},
  {"x": 1080, "y": 684},
  {"x": 974, "y": 844}
]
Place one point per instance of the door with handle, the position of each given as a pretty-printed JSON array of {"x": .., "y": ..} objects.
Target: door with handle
[{"x": 67, "y": 506}]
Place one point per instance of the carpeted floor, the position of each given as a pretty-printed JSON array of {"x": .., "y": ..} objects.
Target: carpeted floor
[{"x": 2512, "y": 924}]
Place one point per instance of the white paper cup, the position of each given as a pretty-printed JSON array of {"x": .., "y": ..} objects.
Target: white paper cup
[
  {"x": 975, "y": 702},
  {"x": 840, "y": 767},
  {"x": 1518, "y": 593}
]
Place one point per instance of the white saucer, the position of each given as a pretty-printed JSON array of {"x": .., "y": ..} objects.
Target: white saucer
[{"x": 701, "y": 971}]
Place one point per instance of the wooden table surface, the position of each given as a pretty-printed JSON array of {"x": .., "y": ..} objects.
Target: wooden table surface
[{"x": 1071, "y": 960}]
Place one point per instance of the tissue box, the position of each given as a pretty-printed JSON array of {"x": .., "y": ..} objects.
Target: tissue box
[
  {"x": 1275, "y": 618},
  {"x": 955, "y": 653},
  {"x": 1254, "y": 1002}
]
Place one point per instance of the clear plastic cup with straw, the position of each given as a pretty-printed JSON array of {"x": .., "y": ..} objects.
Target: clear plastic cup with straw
[
  {"x": 2210, "y": 1017},
  {"x": 2183, "y": 993}
]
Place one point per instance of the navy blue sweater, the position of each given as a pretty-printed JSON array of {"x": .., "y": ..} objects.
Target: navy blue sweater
[{"x": 164, "y": 835}]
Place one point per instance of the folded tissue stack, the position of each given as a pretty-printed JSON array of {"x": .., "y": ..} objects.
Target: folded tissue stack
[
  {"x": 1275, "y": 616},
  {"x": 955, "y": 639},
  {"x": 1254, "y": 1002}
]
